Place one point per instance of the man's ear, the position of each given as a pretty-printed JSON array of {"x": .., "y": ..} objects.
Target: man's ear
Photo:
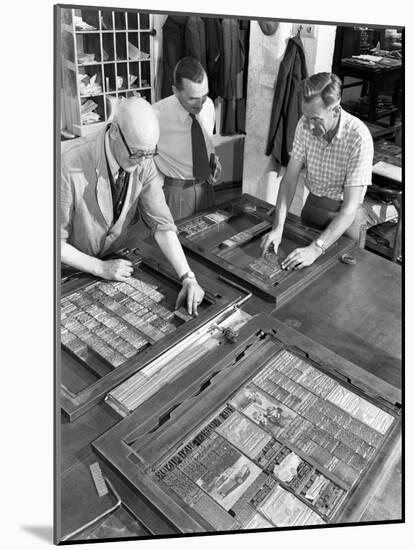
[{"x": 337, "y": 109}]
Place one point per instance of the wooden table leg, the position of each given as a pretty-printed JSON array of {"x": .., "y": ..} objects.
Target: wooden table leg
[{"x": 398, "y": 235}]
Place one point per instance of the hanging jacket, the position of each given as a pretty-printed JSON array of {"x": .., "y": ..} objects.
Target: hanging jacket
[
  {"x": 195, "y": 39},
  {"x": 182, "y": 36},
  {"x": 286, "y": 105},
  {"x": 233, "y": 60},
  {"x": 214, "y": 54},
  {"x": 233, "y": 85},
  {"x": 173, "y": 49}
]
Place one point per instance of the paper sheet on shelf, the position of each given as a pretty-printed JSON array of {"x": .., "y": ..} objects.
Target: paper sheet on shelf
[{"x": 365, "y": 57}]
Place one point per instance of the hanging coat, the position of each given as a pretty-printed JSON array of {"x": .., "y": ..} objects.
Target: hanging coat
[
  {"x": 286, "y": 106},
  {"x": 195, "y": 39},
  {"x": 233, "y": 85},
  {"x": 173, "y": 49},
  {"x": 214, "y": 54}
]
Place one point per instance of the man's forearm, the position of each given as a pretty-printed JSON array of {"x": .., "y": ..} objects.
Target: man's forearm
[
  {"x": 338, "y": 225},
  {"x": 284, "y": 199},
  {"x": 173, "y": 251},
  {"x": 73, "y": 257}
]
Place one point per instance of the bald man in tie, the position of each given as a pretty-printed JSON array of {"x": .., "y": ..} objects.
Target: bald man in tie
[
  {"x": 186, "y": 152},
  {"x": 109, "y": 179}
]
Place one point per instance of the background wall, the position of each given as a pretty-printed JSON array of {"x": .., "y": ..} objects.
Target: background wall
[{"x": 261, "y": 175}]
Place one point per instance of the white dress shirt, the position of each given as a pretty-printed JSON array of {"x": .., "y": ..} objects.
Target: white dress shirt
[{"x": 175, "y": 144}]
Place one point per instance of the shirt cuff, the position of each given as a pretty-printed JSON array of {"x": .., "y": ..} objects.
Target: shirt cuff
[
  {"x": 164, "y": 227},
  {"x": 356, "y": 184}
]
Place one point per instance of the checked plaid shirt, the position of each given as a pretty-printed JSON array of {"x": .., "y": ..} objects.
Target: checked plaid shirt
[{"x": 344, "y": 162}]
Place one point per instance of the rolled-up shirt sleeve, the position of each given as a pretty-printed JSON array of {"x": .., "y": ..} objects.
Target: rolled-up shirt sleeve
[
  {"x": 67, "y": 202},
  {"x": 359, "y": 165},
  {"x": 298, "y": 148},
  {"x": 152, "y": 203}
]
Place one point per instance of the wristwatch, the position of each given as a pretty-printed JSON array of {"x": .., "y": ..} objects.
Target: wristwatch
[
  {"x": 188, "y": 275},
  {"x": 321, "y": 245}
]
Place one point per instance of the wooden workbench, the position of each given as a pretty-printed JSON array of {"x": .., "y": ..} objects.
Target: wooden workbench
[{"x": 353, "y": 310}]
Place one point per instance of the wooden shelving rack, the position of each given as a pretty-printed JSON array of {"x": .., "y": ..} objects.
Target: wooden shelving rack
[{"x": 106, "y": 55}]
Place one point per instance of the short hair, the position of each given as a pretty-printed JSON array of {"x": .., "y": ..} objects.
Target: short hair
[
  {"x": 328, "y": 86},
  {"x": 190, "y": 68}
]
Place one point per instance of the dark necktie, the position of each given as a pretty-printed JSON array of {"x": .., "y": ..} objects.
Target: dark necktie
[
  {"x": 118, "y": 192},
  {"x": 200, "y": 159}
]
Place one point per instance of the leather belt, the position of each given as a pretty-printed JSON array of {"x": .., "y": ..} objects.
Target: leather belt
[{"x": 177, "y": 182}]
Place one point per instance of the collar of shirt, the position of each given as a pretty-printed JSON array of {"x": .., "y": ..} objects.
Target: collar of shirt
[
  {"x": 340, "y": 130},
  {"x": 112, "y": 163},
  {"x": 337, "y": 136}
]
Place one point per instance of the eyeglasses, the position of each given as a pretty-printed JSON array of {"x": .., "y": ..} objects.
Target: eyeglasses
[{"x": 138, "y": 155}]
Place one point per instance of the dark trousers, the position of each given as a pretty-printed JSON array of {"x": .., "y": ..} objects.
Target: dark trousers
[
  {"x": 186, "y": 197},
  {"x": 318, "y": 212}
]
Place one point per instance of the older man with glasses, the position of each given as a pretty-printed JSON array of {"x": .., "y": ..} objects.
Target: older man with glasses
[{"x": 109, "y": 179}]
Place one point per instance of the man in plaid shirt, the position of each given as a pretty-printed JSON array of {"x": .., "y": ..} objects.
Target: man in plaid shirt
[{"x": 336, "y": 151}]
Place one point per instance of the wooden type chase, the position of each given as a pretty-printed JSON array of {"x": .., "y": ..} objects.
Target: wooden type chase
[
  {"x": 273, "y": 424},
  {"x": 229, "y": 235},
  {"x": 109, "y": 330}
]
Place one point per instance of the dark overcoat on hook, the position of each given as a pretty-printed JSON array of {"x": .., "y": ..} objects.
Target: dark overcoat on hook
[{"x": 286, "y": 106}]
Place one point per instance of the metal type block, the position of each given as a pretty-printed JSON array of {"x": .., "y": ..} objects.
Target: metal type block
[
  {"x": 350, "y": 439},
  {"x": 262, "y": 494},
  {"x": 130, "y": 317},
  {"x": 76, "y": 345},
  {"x": 366, "y": 450},
  {"x": 306, "y": 405},
  {"x": 329, "y": 499},
  {"x": 321, "y": 456},
  {"x": 117, "y": 359},
  {"x": 305, "y": 444},
  {"x": 215, "y": 514},
  {"x": 82, "y": 317},
  {"x": 322, "y": 438},
  {"x": 169, "y": 329},
  {"x": 294, "y": 429},
  {"x": 301, "y": 393},
  {"x": 110, "y": 321},
  {"x": 274, "y": 389},
  {"x": 134, "y": 307},
  {"x": 282, "y": 454},
  {"x": 120, "y": 329},
  {"x": 317, "y": 382},
  {"x": 302, "y": 477},
  {"x": 345, "y": 472},
  {"x": 343, "y": 453},
  {"x": 92, "y": 323},
  {"x": 67, "y": 338},
  {"x": 358, "y": 462},
  {"x": 334, "y": 413},
  {"x": 129, "y": 350},
  {"x": 99, "y": 481},
  {"x": 243, "y": 513},
  {"x": 329, "y": 426},
  {"x": 365, "y": 432},
  {"x": 100, "y": 330},
  {"x": 194, "y": 469}
]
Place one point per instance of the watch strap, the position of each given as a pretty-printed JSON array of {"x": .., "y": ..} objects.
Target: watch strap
[
  {"x": 187, "y": 275},
  {"x": 321, "y": 245}
]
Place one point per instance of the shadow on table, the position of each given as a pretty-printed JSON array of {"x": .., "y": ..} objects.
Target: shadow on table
[{"x": 43, "y": 532}]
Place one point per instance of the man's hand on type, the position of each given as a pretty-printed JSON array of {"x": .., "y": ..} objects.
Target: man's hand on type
[
  {"x": 191, "y": 294},
  {"x": 301, "y": 257},
  {"x": 271, "y": 241},
  {"x": 213, "y": 179},
  {"x": 115, "y": 270}
]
